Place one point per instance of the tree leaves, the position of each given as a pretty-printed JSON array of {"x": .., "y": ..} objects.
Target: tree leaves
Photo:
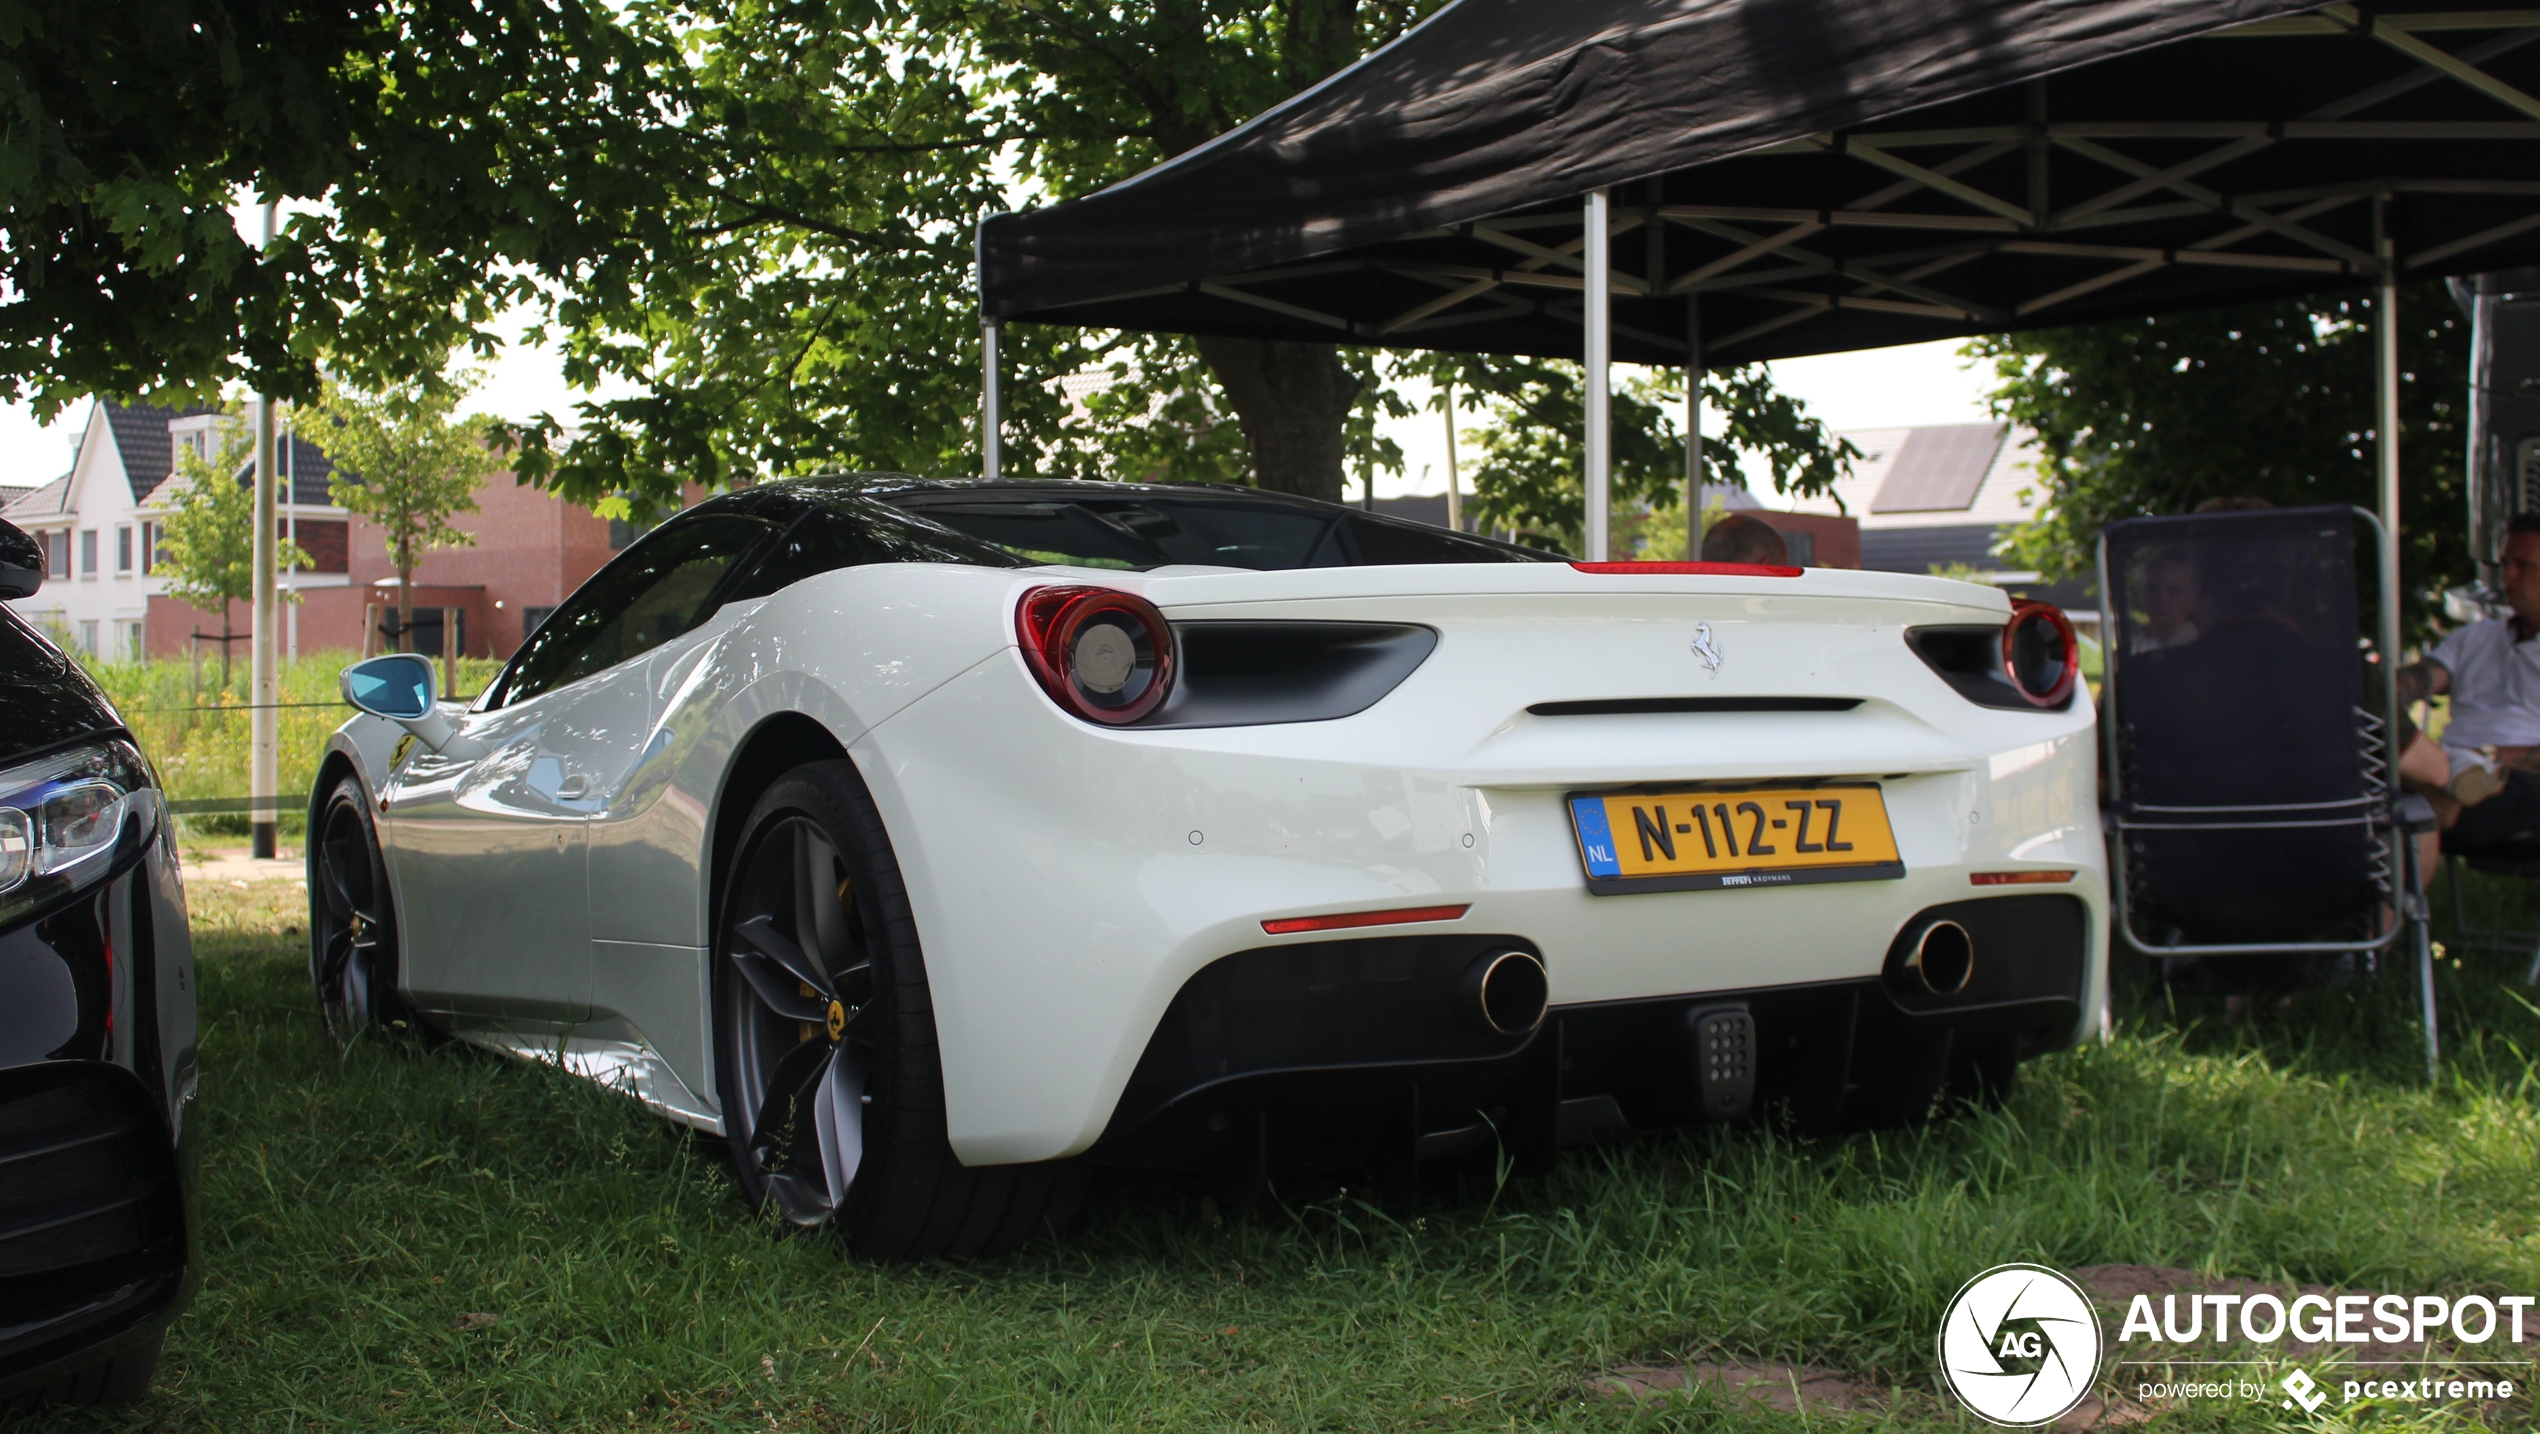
[
  {"x": 1530, "y": 476},
  {"x": 2272, "y": 401},
  {"x": 403, "y": 462},
  {"x": 207, "y": 539},
  {"x": 458, "y": 154}
]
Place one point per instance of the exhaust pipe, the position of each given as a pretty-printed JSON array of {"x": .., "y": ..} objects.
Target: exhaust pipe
[
  {"x": 1506, "y": 991},
  {"x": 1943, "y": 959}
]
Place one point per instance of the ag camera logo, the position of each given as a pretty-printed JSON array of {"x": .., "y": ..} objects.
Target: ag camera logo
[{"x": 2020, "y": 1345}]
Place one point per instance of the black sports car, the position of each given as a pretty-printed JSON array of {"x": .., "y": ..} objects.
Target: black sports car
[{"x": 97, "y": 1060}]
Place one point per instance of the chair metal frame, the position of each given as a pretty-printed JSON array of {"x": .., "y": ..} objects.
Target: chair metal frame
[{"x": 2378, "y": 811}]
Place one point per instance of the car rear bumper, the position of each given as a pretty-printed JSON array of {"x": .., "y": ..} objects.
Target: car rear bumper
[{"x": 1367, "y": 1053}]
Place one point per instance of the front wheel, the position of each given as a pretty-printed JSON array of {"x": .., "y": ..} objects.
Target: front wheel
[
  {"x": 832, "y": 1088},
  {"x": 352, "y": 921}
]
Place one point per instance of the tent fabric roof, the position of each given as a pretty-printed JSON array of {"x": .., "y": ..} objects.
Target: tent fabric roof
[{"x": 1817, "y": 175}]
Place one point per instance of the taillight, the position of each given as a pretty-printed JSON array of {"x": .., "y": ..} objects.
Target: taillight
[
  {"x": 1102, "y": 654},
  {"x": 2041, "y": 653}
]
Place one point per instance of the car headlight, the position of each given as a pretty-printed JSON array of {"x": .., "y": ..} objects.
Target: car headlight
[{"x": 67, "y": 817}]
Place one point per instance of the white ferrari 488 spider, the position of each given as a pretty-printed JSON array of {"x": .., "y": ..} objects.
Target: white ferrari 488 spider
[{"x": 934, "y": 841}]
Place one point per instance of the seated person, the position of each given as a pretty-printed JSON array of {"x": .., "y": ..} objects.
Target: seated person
[
  {"x": 2484, "y": 777},
  {"x": 2169, "y": 596},
  {"x": 1738, "y": 538}
]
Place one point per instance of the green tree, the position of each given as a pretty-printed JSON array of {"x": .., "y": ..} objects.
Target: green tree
[
  {"x": 1530, "y": 475},
  {"x": 758, "y": 213},
  {"x": 207, "y": 543},
  {"x": 402, "y": 461},
  {"x": 456, "y": 156},
  {"x": 817, "y": 309},
  {"x": 2272, "y": 401}
]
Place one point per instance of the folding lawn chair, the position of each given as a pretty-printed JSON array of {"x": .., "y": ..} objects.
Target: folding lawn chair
[{"x": 2252, "y": 795}]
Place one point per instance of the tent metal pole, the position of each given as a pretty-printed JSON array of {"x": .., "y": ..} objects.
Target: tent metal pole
[
  {"x": 991, "y": 416},
  {"x": 264, "y": 727},
  {"x": 2385, "y": 419},
  {"x": 1454, "y": 497},
  {"x": 1598, "y": 311},
  {"x": 1693, "y": 427}
]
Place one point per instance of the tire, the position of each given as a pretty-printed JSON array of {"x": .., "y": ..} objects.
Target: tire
[
  {"x": 353, "y": 922},
  {"x": 825, "y": 1054},
  {"x": 119, "y": 1380}
]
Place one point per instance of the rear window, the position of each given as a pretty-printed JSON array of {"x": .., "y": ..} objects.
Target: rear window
[
  {"x": 1152, "y": 531},
  {"x": 849, "y": 533}
]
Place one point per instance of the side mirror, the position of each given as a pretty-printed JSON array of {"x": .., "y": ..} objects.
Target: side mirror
[
  {"x": 21, "y": 563},
  {"x": 399, "y": 687}
]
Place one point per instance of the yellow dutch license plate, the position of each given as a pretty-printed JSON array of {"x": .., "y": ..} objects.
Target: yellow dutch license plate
[{"x": 1707, "y": 838}]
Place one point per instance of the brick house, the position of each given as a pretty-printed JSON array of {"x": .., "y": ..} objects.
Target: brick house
[
  {"x": 531, "y": 550},
  {"x": 98, "y": 525}
]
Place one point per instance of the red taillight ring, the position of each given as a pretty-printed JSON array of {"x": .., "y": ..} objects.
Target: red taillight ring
[
  {"x": 1048, "y": 623},
  {"x": 2025, "y": 612}
]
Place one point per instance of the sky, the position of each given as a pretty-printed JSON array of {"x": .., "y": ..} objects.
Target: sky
[{"x": 1909, "y": 386}]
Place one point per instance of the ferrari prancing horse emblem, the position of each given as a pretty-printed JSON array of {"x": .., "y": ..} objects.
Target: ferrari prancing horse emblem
[{"x": 1707, "y": 648}]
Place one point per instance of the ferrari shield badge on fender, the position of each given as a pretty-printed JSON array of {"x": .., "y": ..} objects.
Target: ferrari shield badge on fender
[{"x": 1707, "y": 648}]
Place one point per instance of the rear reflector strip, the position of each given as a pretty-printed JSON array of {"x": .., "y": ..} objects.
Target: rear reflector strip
[
  {"x": 2018, "y": 878},
  {"x": 1715, "y": 570},
  {"x": 1291, "y": 925}
]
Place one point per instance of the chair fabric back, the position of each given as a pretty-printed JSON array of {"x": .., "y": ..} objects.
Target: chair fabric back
[{"x": 2250, "y": 777}]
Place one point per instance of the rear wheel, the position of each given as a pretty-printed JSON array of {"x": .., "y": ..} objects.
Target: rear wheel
[
  {"x": 832, "y": 1087},
  {"x": 352, "y": 922}
]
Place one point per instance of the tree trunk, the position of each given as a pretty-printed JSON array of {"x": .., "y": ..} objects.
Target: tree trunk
[
  {"x": 1292, "y": 399},
  {"x": 224, "y": 645},
  {"x": 405, "y": 598}
]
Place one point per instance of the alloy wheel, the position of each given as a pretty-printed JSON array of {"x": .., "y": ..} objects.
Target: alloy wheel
[
  {"x": 803, "y": 1027},
  {"x": 351, "y": 974}
]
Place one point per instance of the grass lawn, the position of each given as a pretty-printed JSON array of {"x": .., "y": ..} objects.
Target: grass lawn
[{"x": 449, "y": 1241}]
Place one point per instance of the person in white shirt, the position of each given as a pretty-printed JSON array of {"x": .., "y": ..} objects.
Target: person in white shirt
[{"x": 2484, "y": 776}]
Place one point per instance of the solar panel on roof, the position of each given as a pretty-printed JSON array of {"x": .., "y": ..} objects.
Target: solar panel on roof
[{"x": 1939, "y": 469}]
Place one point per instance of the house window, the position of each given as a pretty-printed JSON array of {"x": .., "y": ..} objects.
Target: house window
[
  {"x": 132, "y": 647},
  {"x": 150, "y": 555},
  {"x": 88, "y": 560},
  {"x": 88, "y": 637},
  {"x": 57, "y": 555},
  {"x": 123, "y": 549}
]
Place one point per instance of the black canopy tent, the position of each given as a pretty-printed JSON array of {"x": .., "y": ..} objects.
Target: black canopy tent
[
  {"x": 1783, "y": 177},
  {"x": 1824, "y": 175}
]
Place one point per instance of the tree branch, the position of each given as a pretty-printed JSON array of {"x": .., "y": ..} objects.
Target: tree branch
[{"x": 756, "y": 214}]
